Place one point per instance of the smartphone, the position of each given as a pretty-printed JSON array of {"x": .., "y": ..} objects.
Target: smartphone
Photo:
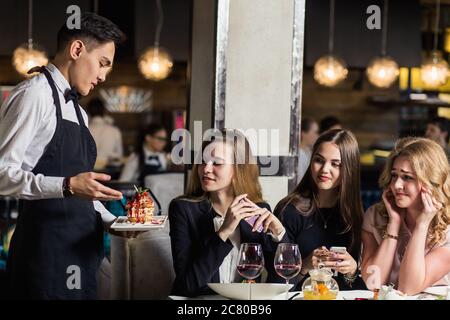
[
  {"x": 251, "y": 221},
  {"x": 338, "y": 249}
]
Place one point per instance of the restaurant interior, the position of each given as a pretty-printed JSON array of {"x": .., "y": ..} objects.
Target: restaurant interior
[{"x": 403, "y": 38}]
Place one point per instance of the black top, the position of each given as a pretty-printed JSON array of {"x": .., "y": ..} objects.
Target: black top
[
  {"x": 198, "y": 251},
  {"x": 321, "y": 228}
]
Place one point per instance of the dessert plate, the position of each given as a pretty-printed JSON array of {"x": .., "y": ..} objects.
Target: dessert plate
[{"x": 122, "y": 224}]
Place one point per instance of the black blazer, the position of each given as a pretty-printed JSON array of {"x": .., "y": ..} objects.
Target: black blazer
[{"x": 198, "y": 251}]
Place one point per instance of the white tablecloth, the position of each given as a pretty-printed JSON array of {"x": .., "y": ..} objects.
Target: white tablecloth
[{"x": 429, "y": 294}]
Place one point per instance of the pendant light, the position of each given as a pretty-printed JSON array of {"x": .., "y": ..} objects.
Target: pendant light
[
  {"x": 382, "y": 71},
  {"x": 434, "y": 70},
  {"x": 29, "y": 55},
  {"x": 330, "y": 70},
  {"x": 155, "y": 63}
]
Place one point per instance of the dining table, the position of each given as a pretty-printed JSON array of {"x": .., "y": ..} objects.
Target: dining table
[{"x": 432, "y": 293}]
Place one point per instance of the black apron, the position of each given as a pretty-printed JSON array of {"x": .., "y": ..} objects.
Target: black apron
[{"x": 58, "y": 239}]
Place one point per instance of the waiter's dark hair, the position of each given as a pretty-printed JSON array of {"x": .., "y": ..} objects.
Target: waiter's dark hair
[{"x": 94, "y": 30}]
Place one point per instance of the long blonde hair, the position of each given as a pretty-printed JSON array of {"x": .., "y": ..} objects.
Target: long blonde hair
[
  {"x": 430, "y": 164},
  {"x": 246, "y": 173},
  {"x": 350, "y": 204}
]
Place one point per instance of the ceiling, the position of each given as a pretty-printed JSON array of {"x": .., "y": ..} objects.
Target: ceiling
[{"x": 433, "y": 2}]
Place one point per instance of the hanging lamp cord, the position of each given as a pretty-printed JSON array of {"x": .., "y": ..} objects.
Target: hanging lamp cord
[
  {"x": 160, "y": 19},
  {"x": 436, "y": 25},
  {"x": 385, "y": 27},
  {"x": 96, "y": 6},
  {"x": 331, "y": 28},
  {"x": 30, "y": 24}
]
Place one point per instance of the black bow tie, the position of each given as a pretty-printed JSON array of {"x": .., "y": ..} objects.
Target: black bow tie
[
  {"x": 36, "y": 69},
  {"x": 72, "y": 94}
]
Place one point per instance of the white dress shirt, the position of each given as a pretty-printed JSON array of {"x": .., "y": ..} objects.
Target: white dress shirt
[
  {"x": 27, "y": 124},
  {"x": 130, "y": 171},
  {"x": 228, "y": 269},
  {"x": 108, "y": 139}
]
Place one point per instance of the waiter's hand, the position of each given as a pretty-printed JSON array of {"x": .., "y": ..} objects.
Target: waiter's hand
[{"x": 85, "y": 185}]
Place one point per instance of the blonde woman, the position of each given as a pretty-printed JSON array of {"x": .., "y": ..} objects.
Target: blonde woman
[
  {"x": 207, "y": 224},
  {"x": 406, "y": 237}
]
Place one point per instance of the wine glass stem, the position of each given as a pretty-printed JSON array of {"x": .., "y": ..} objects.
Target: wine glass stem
[
  {"x": 287, "y": 289},
  {"x": 250, "y": 294}
]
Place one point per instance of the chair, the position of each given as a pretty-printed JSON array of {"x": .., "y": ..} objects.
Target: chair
[
  {"x": 142, "y": 268},
  {"x": 165, "y": 186}
]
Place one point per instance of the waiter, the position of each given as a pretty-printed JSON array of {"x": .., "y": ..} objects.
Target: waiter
[{"x": 46, "y": 160}]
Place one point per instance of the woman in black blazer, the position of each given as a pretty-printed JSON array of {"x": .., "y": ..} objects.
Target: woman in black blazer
[{"x": 208, "y": 223}]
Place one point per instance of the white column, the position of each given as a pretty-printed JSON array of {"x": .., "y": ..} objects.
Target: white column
[{"x": 246, "y": 73}]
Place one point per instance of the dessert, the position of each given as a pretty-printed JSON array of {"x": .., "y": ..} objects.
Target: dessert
[{"x": 141, "y": 208}]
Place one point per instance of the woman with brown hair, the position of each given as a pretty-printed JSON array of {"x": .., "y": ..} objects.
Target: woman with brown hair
[
  {"x": 406, "y": 237},
  {"x": 208, "y": 223},
  {"x": 325, "y": 209}
]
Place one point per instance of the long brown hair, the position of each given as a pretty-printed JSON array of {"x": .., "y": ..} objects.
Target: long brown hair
[
  {"x": 430, "y": 164},
  {"x": 246, "y": 173},
  {"x": 350, "y": 204}
]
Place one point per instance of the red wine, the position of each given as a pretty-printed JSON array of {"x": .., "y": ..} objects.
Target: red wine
[
  {"x": 249, "y": 271},
  {"x": 287, "y": 271}
]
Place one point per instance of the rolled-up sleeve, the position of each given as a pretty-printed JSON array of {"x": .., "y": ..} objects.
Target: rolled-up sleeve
[
  {"x": 107, "y": 217},
  {"x": 21, "y": 118}
]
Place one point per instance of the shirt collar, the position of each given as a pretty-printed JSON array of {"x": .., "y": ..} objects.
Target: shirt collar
[
  {"x": 61, "y": 83},
  {"x": 148, "y": 152}
]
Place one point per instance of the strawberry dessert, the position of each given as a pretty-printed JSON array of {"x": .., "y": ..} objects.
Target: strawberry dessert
[{"x": 140, "y": 209}]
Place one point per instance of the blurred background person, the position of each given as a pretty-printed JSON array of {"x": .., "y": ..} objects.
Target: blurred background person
[
  {"x": 149, "y": 156},
  {"x": 437, "y": 130},
  {"x": 309, "y": 133},
  {"x": 329, "y": 123},
  {"x": 108, "y": 137}
]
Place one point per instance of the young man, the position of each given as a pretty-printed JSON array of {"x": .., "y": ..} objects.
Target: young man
[
  {"x": 438, "y": 131},
  {"x": 46, "y": 159}
]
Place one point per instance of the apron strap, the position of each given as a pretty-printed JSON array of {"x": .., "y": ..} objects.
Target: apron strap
[
  {"x": 54, "y": 92},
  {"x": 78, "y": 112}
]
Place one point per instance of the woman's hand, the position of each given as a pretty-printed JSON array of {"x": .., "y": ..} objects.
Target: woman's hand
[
  {"x": 237, "y": 211},
  {"x": 343, "y": 263},
  {"x": 267, "y": 219},
  {"x": 396, "y": 214},
  {"x": 314, "y": 260},
  {"x": 430, "y": 208}
]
